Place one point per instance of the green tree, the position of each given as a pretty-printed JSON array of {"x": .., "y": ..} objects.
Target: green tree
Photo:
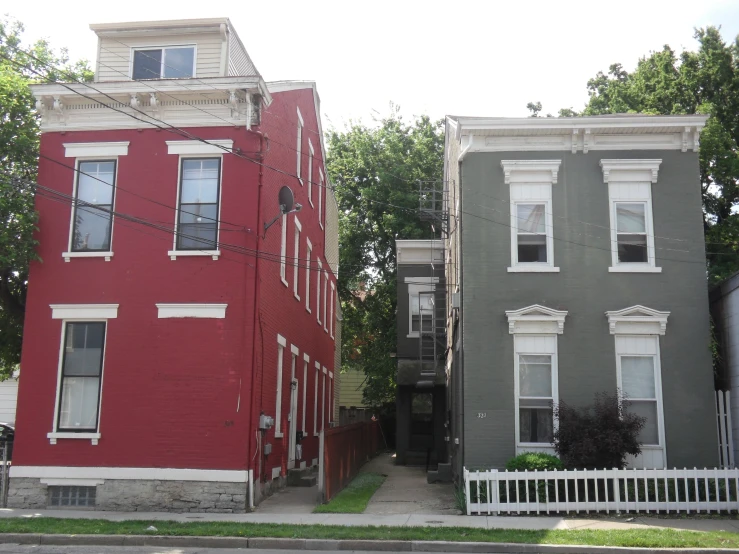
[
  {"x": 705, "y": 81},
  {"x": 19, "y": 141},
  {"x": 376, "y": 172}
]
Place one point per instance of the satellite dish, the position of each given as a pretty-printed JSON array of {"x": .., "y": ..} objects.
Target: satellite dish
[{"x": 286, "y": 200}]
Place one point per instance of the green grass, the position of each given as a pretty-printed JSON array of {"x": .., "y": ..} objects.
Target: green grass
[
  {"x": 646, "y": 538},
  {"x": 353, "y": 499}
]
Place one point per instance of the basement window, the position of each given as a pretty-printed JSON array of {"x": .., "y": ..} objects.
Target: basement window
[{"x": 72, "y": 497}]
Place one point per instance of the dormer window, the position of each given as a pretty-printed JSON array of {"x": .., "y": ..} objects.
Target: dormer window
[{"x": 170, "y": 62}]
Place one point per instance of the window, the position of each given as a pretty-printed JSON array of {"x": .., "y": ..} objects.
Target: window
[
  {"x": 296, "y": 259},
  {"x": 318, "y": 291},
  {"x": 532, "y": 238},
  {"x": 630, "y": 202},
  {"x": 531, "y": 233},
  {"x": 315, "y": 401},
  {"x": 309, "y": 252},
  {"x": 631, "y": 232},
  {"x": 197, "y": 212},
  {"x": 172, "y": 62},
  {"x": 639, "y": 388},
  {"x": 323, "y": 401},
  {"x": 330, "y": 397},
  {"x": 281, "y": 344},
  {"x": 72, "y": 496},
  {"x": 283, "y": 250},
  {"x": 536, "y": 422},
  {"x": 299, "y": 149},
  {"x": 310, "y": 172},
  {"x": 331, "y": 315},
  {"x": 81, "y": 376},
  {"x": 306, "y": 361},
  {"x": 420, "y": 304},
  {"x": 321, "y": 187},
  {"x": 92, "y": 220},
  {"x": 325, "y": 300}
]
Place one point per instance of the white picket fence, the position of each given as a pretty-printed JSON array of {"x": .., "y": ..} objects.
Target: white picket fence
[
  {"x": 607, "y": 490},
  {"x": 725, "y": 432}
]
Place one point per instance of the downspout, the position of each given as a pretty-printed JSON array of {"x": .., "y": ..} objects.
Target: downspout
[
  {"x": 252, "y": 445},
  {"x": 462, "y": 154}
]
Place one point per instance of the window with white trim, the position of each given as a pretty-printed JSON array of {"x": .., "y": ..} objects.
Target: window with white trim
[
  {"x": 315, "y": 401},
  {"x": 296, "y": 259},
  {"x": 168, "y": 62},
  {"x": 532, "y": 239},
  {"x": 330, "y": 397},
  {"x": 323, "y": 402},
  {"x": 420, "y": 304},
  {"x": 306, "y": 362},
  {"x": 198, "y": 203},
  {"x": 331, "y": 315},
  {"x": 321, "y": 188},
  {"x": 308, "y": 260},
  {"x": 630, "y": 210},
  {"x": 92, "y": 217},
  {"x": 636, "y": 333},
  {"x": 325, "y": 300},
  {"x": 318, "y": 291},
  {"x": 299, "y": 149},
  {"x": 536, "y": 384},
  {"x": 311, "y": 153},
  {"x": 281, "y": 344},
  {"x": 283, "y": 251}
]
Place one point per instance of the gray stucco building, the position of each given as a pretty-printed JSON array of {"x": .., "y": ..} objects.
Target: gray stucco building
[{"x": 575, "y": 264}]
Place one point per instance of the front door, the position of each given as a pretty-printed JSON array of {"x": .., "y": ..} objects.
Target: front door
[{"x": 292, "y": 421}]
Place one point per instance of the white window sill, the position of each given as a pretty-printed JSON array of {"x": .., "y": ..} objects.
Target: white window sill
[
  {"x": 93, "y": 437},
  {"x": 534, "y": 445},
  {"x": 284, "y": 282},
  {"x": 173, "y": 254},
  {"x": 533, "y": 269},
  {"x": 68, "y": 255},
  {"x": 412, "y": 335},
  {"x": 634, "y": 269}
]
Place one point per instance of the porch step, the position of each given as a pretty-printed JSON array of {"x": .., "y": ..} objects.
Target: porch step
[
  {"x": 305, "y": 477},
  {"x": 443, "y": 474}
]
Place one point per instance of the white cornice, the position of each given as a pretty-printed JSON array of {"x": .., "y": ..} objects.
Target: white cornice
[
  {"x": 523, "y": 169},
  {"x": 101, "y": 149},
  {"x": 203, "y": 311},
  {"x": 630, "y": 170},
  {"x": 568, "y": 123},
  {"x": 637, "y": 320},
  {"x": 205, "y": 84},
  {"x": 197, "y": 147},
  {"x": 536, "y": 319},
  {"x": 84, "y": 311}
]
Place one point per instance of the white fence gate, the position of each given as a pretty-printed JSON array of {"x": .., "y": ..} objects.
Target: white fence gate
[
  {"x": 607, "y": 490},
  {"x": 725, "y": 432}
]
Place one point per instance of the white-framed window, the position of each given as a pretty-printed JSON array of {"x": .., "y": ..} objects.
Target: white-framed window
[
  {"x": 532, "y": 238},
  {"x": 296, "y": 259},
  {"x": 630, "y": 211},
  {"x": 331, "y": 315},
  {"x": 420, "y": 304},
  {"x": 330, "y": 397},
  {"x": 311, "y": 153},
  {"x": 163, "y": 62},
  {"x": 318, "y": 291},
  {"x": 321, "y": 187},
  {"x": 306, "y": 362},
  {"x": 636, "y": 333},
  {"x": 199, "y": 193},
  {"x": 308, "y": 261},
  {"x": 315, "y": 400},
  {"x": 283, "y": 251},
  {"x": 536, "y": 384},
  {"x": 80, "y": 372},
  {"x": 91, "y": 221},
  {"x": 281, "y": 344},
  {"x": 325, "y": 300},
  {"x": 323, "y": 402},
  {"x": 299, "y": 149}
]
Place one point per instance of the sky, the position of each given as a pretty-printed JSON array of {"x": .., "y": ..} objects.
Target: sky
[{"x": 477, "y": 58}]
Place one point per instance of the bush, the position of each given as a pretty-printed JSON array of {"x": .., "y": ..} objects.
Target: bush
[
  {"x": 598, "y": 436},
  {"x": 534, "y": 460}
]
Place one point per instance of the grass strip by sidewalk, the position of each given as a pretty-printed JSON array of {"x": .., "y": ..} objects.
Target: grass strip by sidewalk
[
  {"x": 354, "y": 498},
  {"x": 645, "y": 538}
]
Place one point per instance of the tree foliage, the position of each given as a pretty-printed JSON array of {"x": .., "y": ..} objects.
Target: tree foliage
[
  {"x": 598, "y": 436},
  {"x": 376, "y": 173},
  {"x": 19, "y": 141}
]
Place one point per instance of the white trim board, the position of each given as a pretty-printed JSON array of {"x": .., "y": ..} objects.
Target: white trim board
[
  {"x": 213, "y": 311},
  {"x": 84, "y": 311},
  {"x": 129, "y": 473},
  {"x": 196, "y": 147},
  {"x": 95, "y": 149}
]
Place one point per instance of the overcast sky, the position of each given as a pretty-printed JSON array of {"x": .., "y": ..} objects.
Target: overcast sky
[{"x": 453, "y": 57}]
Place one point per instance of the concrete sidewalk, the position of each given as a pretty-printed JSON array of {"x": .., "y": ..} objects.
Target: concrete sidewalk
[{"x": 399, "y": 520}]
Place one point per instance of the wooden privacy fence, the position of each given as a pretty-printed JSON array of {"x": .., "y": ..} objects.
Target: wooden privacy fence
[
  {"x": 343, "y": 450},
  {"x": 607, "y": 490}
]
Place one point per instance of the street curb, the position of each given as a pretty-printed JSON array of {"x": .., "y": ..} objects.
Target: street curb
[{"x": 37, "y": 539}]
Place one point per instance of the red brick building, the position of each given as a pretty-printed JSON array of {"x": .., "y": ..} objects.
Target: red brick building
[{"x": 164, "y": 318}]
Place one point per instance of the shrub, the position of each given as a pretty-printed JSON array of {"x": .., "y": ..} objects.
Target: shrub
[
  {"x": 598, "y": 436},
  {"x": 534, "y": 460}
]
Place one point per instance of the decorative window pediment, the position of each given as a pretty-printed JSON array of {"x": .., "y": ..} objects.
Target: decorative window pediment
[
  {"x": 536, "y": 319},
  {"x": 530, "y": 171},
  {"x": 637, "y": 320},
  {"x": 630, "y": 170}
]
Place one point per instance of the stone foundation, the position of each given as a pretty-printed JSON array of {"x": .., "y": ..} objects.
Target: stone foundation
[{"x": 131, "y": 495}]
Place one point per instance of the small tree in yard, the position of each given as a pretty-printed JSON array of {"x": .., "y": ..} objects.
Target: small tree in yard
[{"x": 598, "y": 436}]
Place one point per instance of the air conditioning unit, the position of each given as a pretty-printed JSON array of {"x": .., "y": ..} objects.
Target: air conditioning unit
[{"x": 455, "y": 300}]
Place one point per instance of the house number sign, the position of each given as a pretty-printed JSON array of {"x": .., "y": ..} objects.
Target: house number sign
[{"x": 482, "y": 415}]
